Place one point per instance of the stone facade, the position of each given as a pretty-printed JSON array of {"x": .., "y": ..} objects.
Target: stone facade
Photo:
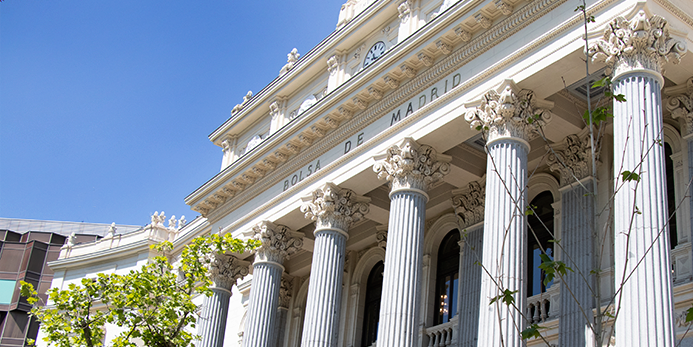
[{"x": 458, "y": 161}]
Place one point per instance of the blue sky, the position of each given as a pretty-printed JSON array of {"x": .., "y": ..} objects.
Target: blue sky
[{"x": 105, "y": 106}]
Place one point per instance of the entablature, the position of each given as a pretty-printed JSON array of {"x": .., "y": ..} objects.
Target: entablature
[{"x": 452, "y": 39}]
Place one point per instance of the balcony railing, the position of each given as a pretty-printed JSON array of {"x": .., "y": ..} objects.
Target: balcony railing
[{"x": 443, "y": 335}]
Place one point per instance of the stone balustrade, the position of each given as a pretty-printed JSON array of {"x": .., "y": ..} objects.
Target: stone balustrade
[
  {"x": 443, "y": 335},
  {"x": 543, "y": 307}
]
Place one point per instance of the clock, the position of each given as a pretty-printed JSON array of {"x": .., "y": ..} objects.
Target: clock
[{"x": 374, "y": 53}]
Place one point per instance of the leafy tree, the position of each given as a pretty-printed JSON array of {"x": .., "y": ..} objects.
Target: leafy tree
[{"x": 153, "y": 304}]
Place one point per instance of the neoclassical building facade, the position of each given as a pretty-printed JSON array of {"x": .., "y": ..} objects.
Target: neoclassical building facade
[{"x": 426, "y": 176}]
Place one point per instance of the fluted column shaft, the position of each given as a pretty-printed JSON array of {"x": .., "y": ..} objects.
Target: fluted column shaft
[
  {"x": 577, "y": 213},
  {"x": 213, "y": 317},
  {"x": 505, "y": 234},
  {"x": 470, "y": 281},
  {"x": 641, "y": 248},
  {"x": 333, "y": 209},
  {"x": 635, "y": 51},
  {"x": 410, "y": 167},
  {"x": 277, "y": 243},
  {"x": 263, "y": 304},
  {"x": 320, "y": 328},
  {"x": 400, "y": 303},
  {"x": 224, "y": 271}
]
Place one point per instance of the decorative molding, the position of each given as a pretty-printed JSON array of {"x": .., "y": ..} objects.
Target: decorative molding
[
  {"x": 640, "y": 43},
  {"x": 425, "y": 59},
  {"x": 391, "y": 82},
  {"x": 572, "y": 157},
  {"x": 464, "y": 35},
  {"x": 285, "y": 289},
  {"x": 469, "y": 203},
  {"x": 225, "y": 270},
  {"x": 407, "y": 70},
  {"x": 483, "y": 20},
  {"x": 444, "y": 47},
  {"x": 681, "y": 105},
  {"x": 332, "y": 207},
  {"x": 381, "y": 236},
  {"x": 291, "y": 60},
  {"x": 332, "y": 64},
  {"x": 375, "y": 93},
  {"x": 278, "y": 242},
  {"x": 410, "y": 165},
  {"x": 404, "y": 10},
  {"x": 360, "y": 103},
  {"x": 477, "y": 46},
  {"x": 504, "y": 7},
  {"x": 345, "y": 112},
  {"x": 240, "y": 106},
  {"x": 508, "y": 114}
]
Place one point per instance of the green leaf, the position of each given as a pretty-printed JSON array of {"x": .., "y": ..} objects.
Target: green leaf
[
  {"x": 529, "y": 210},
  {"x": 689, "y": 315},
  {"x": 506, "y": 297},
  {"x": 531, "y": 332},
  {"x": 602, "y": 82},
  {"x": 629, "y": 176}
]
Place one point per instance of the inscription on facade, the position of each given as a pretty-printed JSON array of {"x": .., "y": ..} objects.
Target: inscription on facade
[{"x": 386, "y": 121}]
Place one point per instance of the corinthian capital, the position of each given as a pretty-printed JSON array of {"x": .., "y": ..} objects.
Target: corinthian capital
[
  {"x": 278, "y": 242},
  {"x": 572, "y": 157},
  {"x": 510, "y": 113},
  {"x": 680, "y": 103},
  {"x": 469, "y": 203},
  {"x": 639, "y": 43},
  {"x": 225, "y": 270},
  {"x": 411, "y": 166},
  {"x": 332, "y": 207}
]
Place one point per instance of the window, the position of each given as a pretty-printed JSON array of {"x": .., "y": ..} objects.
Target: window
[
  {"x": 447, "y": 278},
  {"x": 671, "y": 195},
  {"x": 371, "y": 311},
  {"x": 539, "y": 234}
]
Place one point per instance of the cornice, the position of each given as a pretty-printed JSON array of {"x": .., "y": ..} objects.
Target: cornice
[
  {"x": 465, "y": 53},
  {"x": 142, "y": 246},
  {"x": 678, "y": 12}
]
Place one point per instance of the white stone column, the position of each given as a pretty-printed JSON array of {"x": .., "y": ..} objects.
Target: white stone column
[
  {"x": 333, "y": 209},
  {"x": 572, "y": 159},
  {"x": 469, "y": 205},
  {"x": 283, "y": 312},
  {"x": 507, "y": 120},
  {"x": 278, "y": 243},
  {"x": 224, "y": 271},
  {"x": 410, "y": 168},
  {"x": 635, "y": 51}
]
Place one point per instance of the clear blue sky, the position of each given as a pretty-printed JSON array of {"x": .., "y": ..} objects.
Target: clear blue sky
[{"x": 105, "y": 106}]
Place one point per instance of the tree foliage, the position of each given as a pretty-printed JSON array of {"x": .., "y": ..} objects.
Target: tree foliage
[{"x": 153, "y": 304}]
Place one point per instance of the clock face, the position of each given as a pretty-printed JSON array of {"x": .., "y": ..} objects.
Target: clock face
[{"x": 374, "y": 53}]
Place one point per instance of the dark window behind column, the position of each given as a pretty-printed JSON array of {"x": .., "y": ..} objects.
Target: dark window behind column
[
  {"x": 447, "y": 278},
  {"x": 371, "y": 311},
  {"x": 671, "y": 196},
  {"x": 538, "y": 236}
]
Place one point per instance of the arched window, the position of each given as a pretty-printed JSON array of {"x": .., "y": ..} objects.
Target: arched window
[
  {"x": 371, "y": 310},
  {"x": 447, "y": 278},
  {"x": 671, "y": 196},
  {"x": 539, "y": 235}
]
